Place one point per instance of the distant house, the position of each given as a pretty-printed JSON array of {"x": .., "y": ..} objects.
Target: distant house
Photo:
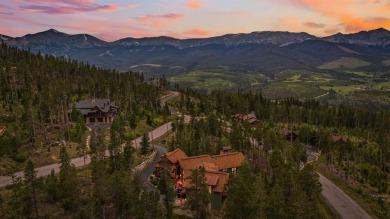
[
  {"x": 226, "y": 149},
  {"x": 2, "y": 131},
  {"x": 339, "y": 138},
  {"x": 251, "y": 117},
  {"x": 288, "y": 134},
  {"x": 96, "y": 110},
  {"x": 217, "y": 169}
]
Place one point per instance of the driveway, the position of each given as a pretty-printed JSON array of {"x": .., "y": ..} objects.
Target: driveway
[{"x": 149, "y": 170}]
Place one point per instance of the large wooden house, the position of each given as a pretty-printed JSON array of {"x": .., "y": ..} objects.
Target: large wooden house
[
  {"x": 217, "y": 170},
  {"x": 96, "y": 110}
]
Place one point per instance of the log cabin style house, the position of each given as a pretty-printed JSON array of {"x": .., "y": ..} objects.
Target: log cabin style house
[
  {"x": 217, "y": 170},
  {"x": 96, "y": 110}
]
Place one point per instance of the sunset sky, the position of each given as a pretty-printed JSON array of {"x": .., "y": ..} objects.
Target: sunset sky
[{"x": 115, "y": 19}]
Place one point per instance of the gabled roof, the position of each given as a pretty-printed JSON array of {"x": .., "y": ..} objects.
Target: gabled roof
[
  {"x": 337, "y": 138},
  {"x": 229, "y": 160},
  {"x": 191, "y": 163},
  {"x": 217, "y": 180},
  {"x": 175, "y": 155},
  {"x": 103, "y": 105},
  {"x": 210, "y": 166}
]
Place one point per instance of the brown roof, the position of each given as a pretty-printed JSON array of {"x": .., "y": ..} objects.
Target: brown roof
[
  {"x": 175, "y": 155},
  {"x": 217, "y": 180},
  {"x": 210, "y": 166},
  {"x": 337, "y": 138},
  {"x": 191, "y": 163},
  {"x": 230, "y": 160},
  {"x": 2, "y": 131},
  {"x": 211, "y": 179}
]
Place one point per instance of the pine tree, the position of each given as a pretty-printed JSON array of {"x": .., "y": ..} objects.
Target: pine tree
[
  {"x": 198, "y": 194},
  {"x": 145, "y": 144},
  {"x": 68, "y": 183},
  {"x": 244, "y": 195},
  {"x": 30, "y": 180}
]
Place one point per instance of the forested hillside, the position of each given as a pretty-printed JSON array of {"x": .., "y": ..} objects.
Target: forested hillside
[
  {"x": 35, "y": 93},
  {"x": 275, "y": 181},
  {"x": 354, "y": 144}
]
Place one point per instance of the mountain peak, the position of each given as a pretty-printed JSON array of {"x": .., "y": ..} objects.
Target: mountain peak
[
  {"x": 52, "y": 30},
  {"x": 381, "y": 29}
]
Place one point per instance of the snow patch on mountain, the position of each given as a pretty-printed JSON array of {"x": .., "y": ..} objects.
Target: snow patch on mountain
[{"x": 107, "y": 53}]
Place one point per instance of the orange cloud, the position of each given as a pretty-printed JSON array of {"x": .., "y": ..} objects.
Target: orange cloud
[
  {"x": 314, "y": 25},
  {"x": 159, "y": 21},
  {"x": 194, "y": 4},
  {"x": 351, "y": 15}
]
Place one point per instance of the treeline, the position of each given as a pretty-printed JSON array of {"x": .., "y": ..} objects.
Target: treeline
[{"x": 36, "y": 90}]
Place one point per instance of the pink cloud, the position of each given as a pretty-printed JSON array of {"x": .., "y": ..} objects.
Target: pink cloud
[
  {"x": 131, "y": 6},
  {"x": 158, "y": 21},
  {"x": 65, "y": 6},
  {"x": 198, "y": 32},
  {"x": 194, "y": 4}
]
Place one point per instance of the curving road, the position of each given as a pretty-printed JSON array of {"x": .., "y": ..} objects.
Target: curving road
[
  {"x": 344, "y": 205},
  {"x": 149, "y": 170},
  {"x": 336, "y": 198},
  {"x": 85, "y": 160}
]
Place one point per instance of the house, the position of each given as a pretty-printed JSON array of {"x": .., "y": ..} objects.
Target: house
[
  {"x": 217, "y": 170},
  {"x": 173, "y": 158},
  {"x": 251, "y": 117},
  {"x": 2, "y": 131},
  {"x": 288, "y": 134},
  {"x": 339, "y": 138},
  {"x": 228, "y": 162},
  {"x": 96, "y": 110}
]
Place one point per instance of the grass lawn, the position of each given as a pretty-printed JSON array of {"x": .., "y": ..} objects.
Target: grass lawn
[
  {"x": 292, "y": 89},
  {"x": 345, "y": 62},
  {"x": 208, "y": 80}
]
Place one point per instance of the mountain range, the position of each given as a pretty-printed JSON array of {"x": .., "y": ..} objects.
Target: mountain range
[{"x": 266, "y": 51}]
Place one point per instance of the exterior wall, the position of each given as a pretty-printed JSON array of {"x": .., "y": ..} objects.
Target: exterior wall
[{"x": 216, "y": 201}]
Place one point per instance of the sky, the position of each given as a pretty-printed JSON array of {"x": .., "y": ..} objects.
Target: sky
[{"x": 116, "y": 19}]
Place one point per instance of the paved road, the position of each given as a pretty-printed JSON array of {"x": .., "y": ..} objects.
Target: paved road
[
  {"x": 149, "y": 170},
  {"x": 82, "y": 161},
  {"x": 336, "y": 198},
  {"x": 171, "y": 95},
  {"x": 344, "y": 205}
]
